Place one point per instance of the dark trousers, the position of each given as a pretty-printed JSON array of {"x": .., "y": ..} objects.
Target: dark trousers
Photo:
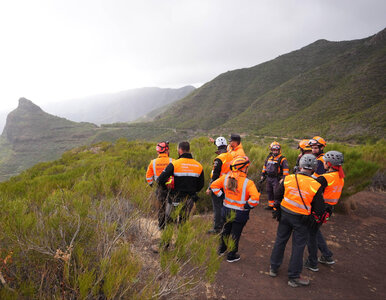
[
  {"x": 315, "y": 241},
  {"x": 178, "y": 211},
  {"x": 217, "y": 207},
  {"x": 290, "y": 224},
  {"x": 234, "y": 222},
  {"x": 161, "y": 195},
  {"x": 272, "y": 183}
]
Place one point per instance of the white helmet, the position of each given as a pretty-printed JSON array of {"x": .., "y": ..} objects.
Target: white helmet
[{"x": 221, "y": 141}]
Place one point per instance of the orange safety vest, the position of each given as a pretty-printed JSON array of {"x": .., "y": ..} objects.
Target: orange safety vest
[
  {"x": 226, "y": 159},
  {"x": 187, "y": 167},
  {"x": 292, "y": 201},
  {"x": 246, "y": 192},
  {"x": 156, "y": 167},
  {"x": 334, "y": 187},
  {"x": 236, "y": 152}
]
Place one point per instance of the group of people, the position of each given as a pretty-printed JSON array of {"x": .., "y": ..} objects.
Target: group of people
[{"x": 300, "y": 202}]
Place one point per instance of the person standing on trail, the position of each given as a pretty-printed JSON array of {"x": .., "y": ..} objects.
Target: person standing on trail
[
  {"x": 188, "y": 181},
  {"x": 317, "y": 144},
  {"x": 299, "y": 197},
  {"x": 332, "y": 183},
  {"x": 155, "y": 169},
  {"x": 304, "y": 148},
  {"x": 235, "y": 147},
  {"x": 240, "y": 196},
  {"x": 275, "y": 168},
  {"x": 221, "y": 166}
]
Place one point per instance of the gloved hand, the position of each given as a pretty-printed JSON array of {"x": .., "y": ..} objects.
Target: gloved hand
[
  {"x": 247, "y": 206},
  {"x": 276, "y": 213}
]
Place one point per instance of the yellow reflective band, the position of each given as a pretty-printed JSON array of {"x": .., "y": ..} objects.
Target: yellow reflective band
[
  {"x": 312, "y": 189},
  {"x": 331, "y": 183}
]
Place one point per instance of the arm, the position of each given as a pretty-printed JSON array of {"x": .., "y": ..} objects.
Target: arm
[
  {"x": 253, "y": 194},
  {"x": 284, "y": 167},
  {"x": 279, "y": 193},
  {"x": 317, "y": 204},
  {"x": 319, "y": 170},
  {"x": 217, "y": 165},
  {"x": 169, "y": 171},
  {"x": 217, "y": 185},
  {"x": 150, "y": 174}
]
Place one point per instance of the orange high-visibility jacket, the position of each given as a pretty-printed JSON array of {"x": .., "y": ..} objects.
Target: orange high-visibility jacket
[
  {"x": 226, "y": 159},
  {"x": 292, "y": 201},
  {"x": 156, "y": 167},
  {"x": 246, "y": 192},
  {"x": 334, "y": 187},
  {"x": 237, "y": 151}
]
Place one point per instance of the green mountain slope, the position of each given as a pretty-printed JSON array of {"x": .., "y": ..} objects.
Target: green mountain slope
[{"x": 296, "y": 94}]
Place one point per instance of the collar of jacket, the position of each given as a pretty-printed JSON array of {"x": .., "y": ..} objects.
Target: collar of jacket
[
  {"x": 163, "y": 155},
  {"x": 221, "y": 151},
  {"x": 186, "y": 155},
  {"x": 237, "y": 147}
]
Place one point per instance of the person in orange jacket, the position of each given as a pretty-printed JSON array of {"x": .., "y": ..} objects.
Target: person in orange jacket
[
  {"x": 221, "y": 166},
  {"x": 154, "y": 170},
  {"x": 275, "y": 168},
  {"x": 235, "y": 147},
  {"x": 332, "y": 183},
  {"x": 317, "y": 144},
  {"x": 299, "y": 197},
  {"x": 188, "y": 181},
  {"x": 240, "y": 196}
]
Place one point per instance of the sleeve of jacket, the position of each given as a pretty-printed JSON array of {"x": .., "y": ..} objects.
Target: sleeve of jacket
[
  {"x": 169, "y": 171},
  {"x": 323, "y": 182},
  {"x": 217, "y": 165},
  {"x": 150, "y": 173},
  {"x": 279, "y": 194},
  {"x": 217, "y": 185},
  {"x": 254, "y": 195},
  {"x": 284, "y": 167},
  {"x": 317, "y": 204},
  {"x": 200, "y": 181},
  {"x": 319, "y": 170}
]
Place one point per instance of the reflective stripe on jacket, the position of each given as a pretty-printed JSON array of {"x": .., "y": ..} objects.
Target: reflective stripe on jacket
[
  {"x": 156, "y": 167},
  {"x": 246, "y": 192},
  {"x": 320, "y": 168},
  {"x": 292, "y": 200},
  {"x": 334, "y": 187}
]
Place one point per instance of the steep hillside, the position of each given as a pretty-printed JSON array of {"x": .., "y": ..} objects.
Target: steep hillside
[
  {"x": 124, "y": 106},
  {"x": 32, "y": 135},
  {"x": 296, "y": 94}
]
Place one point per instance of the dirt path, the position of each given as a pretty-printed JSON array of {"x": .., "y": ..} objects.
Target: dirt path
[{"x": 358, "y": 241}]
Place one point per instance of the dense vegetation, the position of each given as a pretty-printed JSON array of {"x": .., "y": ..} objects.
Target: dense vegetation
[{"x": 82, "y": 226}]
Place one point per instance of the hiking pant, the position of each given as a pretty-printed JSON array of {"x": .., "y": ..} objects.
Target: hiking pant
[
  {"x": 178, "y": 210},
  {"x": 161, "y": 195},
  {"x": 234, "y": 222},
  {"x": 290, "y": 224},
  {"x": 315, "y": 241},
  {"x": 217, "y": 207},
  {"x": 272, "y": 183}
]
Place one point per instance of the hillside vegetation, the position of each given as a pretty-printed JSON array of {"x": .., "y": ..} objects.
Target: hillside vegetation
[
  {"x": 80, "y": 226},
  {"x": 334, "y": 89}
]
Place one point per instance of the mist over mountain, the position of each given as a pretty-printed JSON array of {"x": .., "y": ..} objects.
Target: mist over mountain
[{"x": 125, "y": 106}]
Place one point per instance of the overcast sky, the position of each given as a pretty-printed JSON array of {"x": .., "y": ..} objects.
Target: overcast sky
[{"x": 54, "y": 50}]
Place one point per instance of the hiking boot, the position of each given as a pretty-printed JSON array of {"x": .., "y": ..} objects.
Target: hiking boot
[
  {"x": 308, "y": 266},
  {"x": 221, "y": 252},
  {"x": 296, "y": 282},
  {"x": 272, "y": 272},
  {"x": 326, "y": 260},
  {"x": 233, "y": 258},
  {"x": 268, "y": 208}
]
